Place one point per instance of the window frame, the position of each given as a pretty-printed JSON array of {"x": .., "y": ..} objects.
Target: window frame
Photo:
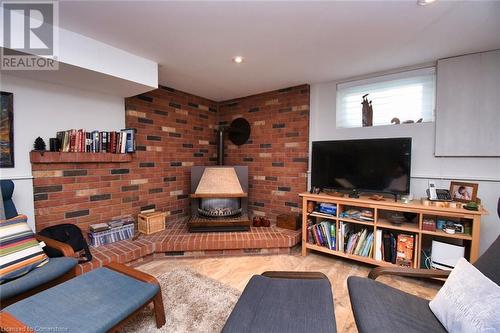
[{"x": 376, "y": 79}]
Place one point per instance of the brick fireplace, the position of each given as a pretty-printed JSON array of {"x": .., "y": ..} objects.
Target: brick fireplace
[
  {"x": 219, "y": 199},
  {"x": 175, "y": 132}
]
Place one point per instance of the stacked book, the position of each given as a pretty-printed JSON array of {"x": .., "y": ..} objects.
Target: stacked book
[
  {"x": 322, "y": 234},
  {"x": 76, "y": 141},
  {"x": 116, "y": 230},
  {"x": 327, "y": 208},
  {"x": 98, "y": 227},
  {"x": 358, "y": 215},
  {"x": 359, "y": 243}
]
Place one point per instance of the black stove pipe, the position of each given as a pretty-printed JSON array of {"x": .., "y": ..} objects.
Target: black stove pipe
[{"x": 220, "y": 147}]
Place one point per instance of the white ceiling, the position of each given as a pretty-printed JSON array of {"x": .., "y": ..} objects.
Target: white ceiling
[{"x": 284, "y": 43}]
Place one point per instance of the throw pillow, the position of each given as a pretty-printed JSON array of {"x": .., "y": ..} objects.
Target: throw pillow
[
  {"x": 468, "y": 301},
  {"x": 20, "y": 252}
]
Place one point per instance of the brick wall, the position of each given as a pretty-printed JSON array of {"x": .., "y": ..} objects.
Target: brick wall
[
  {"x": 175, "y": 130},
  {"x": 277, "y": 154}
]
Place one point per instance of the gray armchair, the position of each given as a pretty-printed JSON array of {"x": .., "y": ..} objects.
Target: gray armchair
[{"x": 380, "y": 308}]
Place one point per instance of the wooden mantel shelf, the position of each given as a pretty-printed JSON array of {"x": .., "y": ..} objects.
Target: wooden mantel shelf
[{"x": 48, "y": 157}]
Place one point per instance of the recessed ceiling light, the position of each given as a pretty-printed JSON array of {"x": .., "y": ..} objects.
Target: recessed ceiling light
[
  {"x": 238, "y": 59},
  {"x": 424, "y": 2}
]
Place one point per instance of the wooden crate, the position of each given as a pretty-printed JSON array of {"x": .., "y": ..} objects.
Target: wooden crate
[
  {"x": 149, "y": 223},
  {"x": 288, "y": 221}
]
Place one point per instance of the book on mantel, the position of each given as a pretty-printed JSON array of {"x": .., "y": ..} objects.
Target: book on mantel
[{"x": 97, "y": 141}]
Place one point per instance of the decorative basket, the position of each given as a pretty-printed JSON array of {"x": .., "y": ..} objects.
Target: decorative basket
[{"x": 149, "y": 223}]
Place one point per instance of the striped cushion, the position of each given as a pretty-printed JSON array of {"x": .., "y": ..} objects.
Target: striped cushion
[{"x": 20, "y": 252}]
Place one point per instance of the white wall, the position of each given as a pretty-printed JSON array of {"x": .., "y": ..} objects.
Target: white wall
[
  {"x": 89, "y": 54},
  {"x": 485, "y": 171},
  {"x": 42, "y": 109}
]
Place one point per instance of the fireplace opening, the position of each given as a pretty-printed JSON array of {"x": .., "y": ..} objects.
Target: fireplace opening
[{"x": 219, "y": 207}]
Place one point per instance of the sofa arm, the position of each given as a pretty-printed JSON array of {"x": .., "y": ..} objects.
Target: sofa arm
[
  {"x": 9, "y": 323},
  {"x": 408, "y": 272},
  {"x": 132, "y": 272},
  {"x": 64, "y": 248}
]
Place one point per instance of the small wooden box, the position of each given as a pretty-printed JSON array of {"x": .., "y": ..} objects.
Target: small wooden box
[
  {"x": 288, "y": 221},
  {"x": 149, "y": 223}
]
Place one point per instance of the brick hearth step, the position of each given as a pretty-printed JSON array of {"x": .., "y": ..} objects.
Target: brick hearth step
[{"x": 176, "y": 241}]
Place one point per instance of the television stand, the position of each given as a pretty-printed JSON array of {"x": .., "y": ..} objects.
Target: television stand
[
  {"x": 382, "y": 221},
  {"x": 355, "y": 194}
]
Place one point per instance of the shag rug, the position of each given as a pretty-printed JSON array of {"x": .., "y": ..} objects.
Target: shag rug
[{"x": 193, "y": 303}]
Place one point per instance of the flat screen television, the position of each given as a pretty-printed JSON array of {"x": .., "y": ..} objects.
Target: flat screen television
[{"x": 369, "y": 165}]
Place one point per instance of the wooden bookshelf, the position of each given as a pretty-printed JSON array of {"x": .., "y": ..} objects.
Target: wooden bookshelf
[
  {"x": 385, "y": 224},
  {"x": 366, "y": 260},
  {"x": 470, "y": 241}
]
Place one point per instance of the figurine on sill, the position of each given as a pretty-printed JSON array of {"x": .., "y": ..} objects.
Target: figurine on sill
[{"x": 396, "y": 121}]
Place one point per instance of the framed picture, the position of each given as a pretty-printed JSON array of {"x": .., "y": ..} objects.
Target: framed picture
[
  {"x": 6, "y": 129},
  {"x": 463, "y": 192}
]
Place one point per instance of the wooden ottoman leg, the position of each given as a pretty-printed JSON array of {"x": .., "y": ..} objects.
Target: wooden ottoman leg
[{"x": 159, "y": 310}]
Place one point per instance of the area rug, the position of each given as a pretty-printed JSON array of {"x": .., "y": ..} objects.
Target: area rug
[{"x": 193, "y": 303}]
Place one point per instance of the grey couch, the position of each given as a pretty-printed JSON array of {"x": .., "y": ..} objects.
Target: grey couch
[{"x": 380, "y": 308}]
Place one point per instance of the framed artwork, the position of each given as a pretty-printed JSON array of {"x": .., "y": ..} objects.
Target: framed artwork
[
  {"x": 6, "y": 129},
  {"x": 463, "y": 192}
]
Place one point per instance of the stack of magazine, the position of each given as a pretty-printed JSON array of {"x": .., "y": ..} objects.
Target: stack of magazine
[{"x": 113, "y": 231}]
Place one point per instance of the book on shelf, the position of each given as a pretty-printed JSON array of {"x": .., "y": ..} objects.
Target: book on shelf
[
  {"x": 398, "y": 248},
  {"x": 327, "y": 208},
  {"x": 358, "y": 215},
  {"x": 77, "y": 141},
  {"x": 359, "y": 242},
  {"x": 322, "y": 234},
  {"x": 95, "y": 142},
  {"x": 404, "y": 254},
  {"x": 104, "y": 141},
  {"x": 343, "y": 230},
  {"x": 317, "y": 213},
  {"x": 378, "y": 241},
  {"x": 98, "y": 227},
  {"x": 130, "y": 139}
]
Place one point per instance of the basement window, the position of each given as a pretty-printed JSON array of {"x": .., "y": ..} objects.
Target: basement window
[{"x": 403, "y": 97}]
